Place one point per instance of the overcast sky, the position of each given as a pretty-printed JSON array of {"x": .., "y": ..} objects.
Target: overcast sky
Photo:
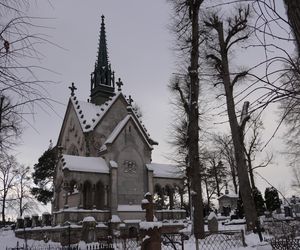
[{"x": 140, "y": 51}]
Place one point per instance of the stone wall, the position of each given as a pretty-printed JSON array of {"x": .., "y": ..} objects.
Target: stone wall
[
  {"x": 60, "y": 234},
  {"x": 75, "y": 216}
]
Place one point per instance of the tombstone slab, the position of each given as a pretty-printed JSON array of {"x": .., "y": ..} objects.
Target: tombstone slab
[{"x": 212, "y": 223}]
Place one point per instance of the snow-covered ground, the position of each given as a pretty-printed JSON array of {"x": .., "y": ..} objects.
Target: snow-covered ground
[{"x": 8, "y": 239}]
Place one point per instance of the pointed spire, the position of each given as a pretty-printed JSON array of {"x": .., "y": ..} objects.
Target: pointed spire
[
  {"x": 102, "y": 78},
  {"x": 102, "y": 60}
]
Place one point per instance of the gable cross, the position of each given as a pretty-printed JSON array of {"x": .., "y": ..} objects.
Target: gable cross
[
  {"x": 119, "y": 84},
  {"x": 72, "y": 88},
  {"x": 130, "y": 101}
]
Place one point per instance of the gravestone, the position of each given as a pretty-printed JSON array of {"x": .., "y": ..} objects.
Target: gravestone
[
  {"x": 288, "y": 211},
  {"x": 150, "y": 229},
  {"x": 27, "y": 221},
  {"x": 46, "y": 219},
  {"x": 89, "y": 229},
  {"x": 20, "y": 222},
  {"x": 35, "y": 220},
  {"x": 212, "y": 223}
]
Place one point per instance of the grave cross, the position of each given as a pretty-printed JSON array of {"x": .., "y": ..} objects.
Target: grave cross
[
  {"x": 148, "y": 205},
  {"x": 130, "y": 101},
  {"x": 72, "y": 88},
  {"x": 119, "y": 84}
]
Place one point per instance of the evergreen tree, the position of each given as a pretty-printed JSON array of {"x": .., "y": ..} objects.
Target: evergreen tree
[
  {"x": 259, "y": 201},
  {"x": 43, "y": 176},
  {"x": 272, "y": 199}
]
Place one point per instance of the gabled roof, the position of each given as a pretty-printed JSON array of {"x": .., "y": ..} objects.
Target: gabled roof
[
  {"x": 231, "y": 196},
  {"x": 85, "y": 164},
  {"x": 117, "y": 130},
  {"x": 90, "y": 114},
  {"x": 165, "y": 170}
]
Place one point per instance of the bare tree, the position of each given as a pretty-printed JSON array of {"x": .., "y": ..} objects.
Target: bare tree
[
  {"x": 186, "y": 27},
  {"x": 293, "y": 13},
  {"x": 10, "y": 123},
  {"x": 8, "y": 172},
  {"x": 253, "y": 146},
  {"x": 23, "y": 198},
  {"x": 216, "y": 170},
  {"x": 224, "y": 145},
  {"x": 224, "y": 38},
  {"x": 20, "y": 87},
  {"x": 296, "y": 178}
]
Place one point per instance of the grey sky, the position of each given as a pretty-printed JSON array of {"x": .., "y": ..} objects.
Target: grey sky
[{"x": 140, "y": 51}]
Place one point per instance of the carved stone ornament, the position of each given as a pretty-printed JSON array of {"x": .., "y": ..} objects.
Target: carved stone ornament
[{"x": 129, "y": 167}]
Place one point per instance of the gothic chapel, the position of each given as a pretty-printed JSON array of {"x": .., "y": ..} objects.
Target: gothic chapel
[{"x": 104, "y": 167}]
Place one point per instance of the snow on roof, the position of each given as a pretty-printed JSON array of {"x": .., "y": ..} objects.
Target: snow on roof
[
  {"x": 113, "y": 164},
  {"x": 129, "y": 208},
  {"x": 89, "y": 219},
  {"x": 146, "y": 225},
  {"x": 115, "y": 219},
  {"x": 89, "y": 114},
  {"x": 165, "y": 170},
  {"x": 85, "y": 164},
  {"x": 118, "y": 130},
  {"x": 211, "y": 216},
  {"x": 233, "y": 196}
]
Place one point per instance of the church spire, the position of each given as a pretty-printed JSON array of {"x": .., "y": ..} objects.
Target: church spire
[
  {"x": 102, "y": 60},
  {"x": 102, "y": 79}
]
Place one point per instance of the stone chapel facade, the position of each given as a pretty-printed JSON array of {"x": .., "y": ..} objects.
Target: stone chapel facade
[{"x": 104, "y": 167}]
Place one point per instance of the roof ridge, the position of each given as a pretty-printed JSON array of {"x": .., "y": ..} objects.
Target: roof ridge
[
  {"x": 117, "y": 130},
  {"x": 88, "y": 125}
]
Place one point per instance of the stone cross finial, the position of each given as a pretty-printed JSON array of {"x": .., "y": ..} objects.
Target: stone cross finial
[
  {"x": 72, "y": 88},
  {"x": 148, "y": 205},
  {"x": 119, "y": 84},
  {"x": 130, "y": 101}
]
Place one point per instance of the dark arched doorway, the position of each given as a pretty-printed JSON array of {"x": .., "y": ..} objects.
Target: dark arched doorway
[
  {"x": 87, "y": 195},
  {"x": 99, "y": 195}
]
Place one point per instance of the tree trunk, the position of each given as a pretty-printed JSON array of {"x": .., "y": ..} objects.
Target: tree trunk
[
  {"x": 250, "y": 171},
  {"x": 293, "y": 13},
  {"x": 3, "y": 209},
  {"x": 193, "y": 127},
  {"x": 216, "y": 179},
  {"x": 21, "y": 198},
  {"x": 233, "y": 174},
  {"x": 237, "y": 137},
  {"x": 207, "y": 193}
]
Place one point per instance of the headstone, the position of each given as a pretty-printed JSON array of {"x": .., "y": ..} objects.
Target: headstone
[
  {"x": 89, "y": 229},
  {"x": 226, "y": 211},
  {"x": 212, "y": 223},
  {"x": 27, "y": 221},
  {"x": 20, "y": 222},
  {"x": 46, "y": 219},
  {"x": 288, "y": 211},
  {"x": 148, "y": 205},
  {"x": 149, "y": 229},
  {"x": 268, "y": 214},
  {"x": 35, "y": 220}
]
